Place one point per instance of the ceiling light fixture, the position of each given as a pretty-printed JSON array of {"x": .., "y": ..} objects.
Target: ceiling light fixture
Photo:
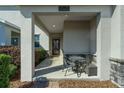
[
  {"x": 53, "y": 26},
  {"x": 66, "y": 15}
]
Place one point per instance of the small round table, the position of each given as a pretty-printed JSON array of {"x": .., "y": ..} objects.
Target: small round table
[{"x": 80, "y": 64}]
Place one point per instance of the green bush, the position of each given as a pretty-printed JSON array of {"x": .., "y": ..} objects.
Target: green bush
[
  {"x": 43, "y": 54},
  {"x": 12, "y": 70},
  {"x": 4, "y": 70},
  {"x": 13, "y": 51}
]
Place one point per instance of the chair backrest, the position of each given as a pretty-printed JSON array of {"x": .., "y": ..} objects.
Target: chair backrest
[
  {"x": 88, "y": 58},
  {"x": 68, "y": 62}
]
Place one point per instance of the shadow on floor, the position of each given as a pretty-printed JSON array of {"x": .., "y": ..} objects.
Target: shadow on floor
[
  {"x": 48, "y": 70},
  {"x": 45, "y": 63}
]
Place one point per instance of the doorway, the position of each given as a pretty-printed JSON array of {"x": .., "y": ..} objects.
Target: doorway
[{"x": 55, "y": 46}]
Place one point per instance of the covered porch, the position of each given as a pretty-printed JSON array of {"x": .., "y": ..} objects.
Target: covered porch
[
  {"x": 77, "y": 33},
  {"x": 65, "y": 34}
]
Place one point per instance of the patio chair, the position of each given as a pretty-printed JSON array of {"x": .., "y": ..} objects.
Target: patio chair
[
  {"x": 80, "y": 67},
  {"x": 88, "y": 59},
  {"x": 68, "y": 64},
  {"x": 64, "y": 60}
]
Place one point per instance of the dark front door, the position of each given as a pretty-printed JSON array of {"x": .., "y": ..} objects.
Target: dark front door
[{"x": 56, "y": 46}]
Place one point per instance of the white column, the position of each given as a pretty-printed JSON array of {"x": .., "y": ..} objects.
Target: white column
[
  {"x": 122, "y": 31},
  {"x": 27, "y": 49},
  {"x": 103, "y": 48},
  {"x": 116, "y": 33}
]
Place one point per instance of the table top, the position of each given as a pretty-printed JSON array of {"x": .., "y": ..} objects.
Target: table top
[{"x": 77, "y": 58}]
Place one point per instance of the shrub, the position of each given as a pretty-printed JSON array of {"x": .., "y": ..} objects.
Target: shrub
[
  {"x": 40, "y": 55},
  {"x": 12, "y": 70},
  {"x": 43, "y": 54},
  {"x": 13, "y": 51},
  {"x": 5, "y": 61}
]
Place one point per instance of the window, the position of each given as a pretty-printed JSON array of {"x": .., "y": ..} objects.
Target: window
[
  {"x": 15, "y": 41},
  {"x": 37, "y": 39}
]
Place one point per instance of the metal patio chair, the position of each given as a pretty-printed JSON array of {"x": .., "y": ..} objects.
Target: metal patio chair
[{"x": 68, "y": 64}]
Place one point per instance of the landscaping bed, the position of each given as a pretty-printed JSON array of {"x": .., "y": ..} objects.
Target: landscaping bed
[
  {"x": 86, "y": 84},
  {"x": 64, "y": 84},
  {"x": 16, "y": 83},
  {"x": 40, "y": 55},
  {"x": 10, "y": 66}
]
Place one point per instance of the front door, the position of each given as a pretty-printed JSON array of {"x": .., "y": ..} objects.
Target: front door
[{"x": 56, "y": 46}]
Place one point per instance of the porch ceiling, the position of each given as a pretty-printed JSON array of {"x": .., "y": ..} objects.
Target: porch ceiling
[{"x": 55, "y": 22}]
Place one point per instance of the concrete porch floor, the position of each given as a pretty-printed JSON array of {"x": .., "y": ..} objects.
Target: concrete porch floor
[{"x": 51, "y": 68}]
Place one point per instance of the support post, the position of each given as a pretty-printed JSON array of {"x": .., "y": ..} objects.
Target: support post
[
  {"x": 27, "y": 49},
  {"x": 103, "y": 47}
]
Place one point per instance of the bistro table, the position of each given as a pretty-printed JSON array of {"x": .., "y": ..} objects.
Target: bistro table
[{"x": 80, "y": 64}]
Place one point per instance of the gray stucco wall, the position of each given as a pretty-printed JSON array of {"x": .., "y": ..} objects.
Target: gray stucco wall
[
  {"x": 5, "y": 33},
  {"x": 93, "y": 36},
  {"x": 115, "y": 33},
  {"x": 44, "y": 38},
  {"x": 122, "y": 31},
  {"x": 103, "y": 46},
  {"x": 40, "y": 29},
  {"x": 2, "y": 34},
  {"x": 80, "y": 37},
  {"x": 11, "y": 14},
  {"x": 9, "y": 30},
  {"x": 117, "y": 46},
  {"x": 76, "y": 38}
]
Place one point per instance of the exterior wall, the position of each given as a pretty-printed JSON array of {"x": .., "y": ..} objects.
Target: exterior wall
[
  {"x": 5, "y": 32},
  {"x": 44, "y": 39},
  {"x": 8, "y": 35},
  {"x": 76, "y": 37},
  {"x": 115, "y": 33},
  {"x": 2, "y": 34},
  {"x": 103, "y": 47},
  {"x": 117, "y": 71},
  {"x": 11, "y": 14},
  {"x": 122, "y": 31},
  {"x": 105, "y": 10},
  {"x": 8, "y": 31},
  {"x": 117, "y": 46},
  {"x": 93, "y": 36},
  {"x": 40, "y": 29}
]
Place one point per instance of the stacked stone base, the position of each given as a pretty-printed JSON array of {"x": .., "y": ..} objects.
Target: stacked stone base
[{"x": 117, "y": 71}]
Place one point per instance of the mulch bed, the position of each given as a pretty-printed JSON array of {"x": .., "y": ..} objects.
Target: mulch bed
[
  {"x": 86, "y": 84},
  {"x": 16, "y": 83}
]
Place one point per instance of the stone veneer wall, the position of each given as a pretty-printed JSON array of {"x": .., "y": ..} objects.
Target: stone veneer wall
[{"x": 117, "y": 71}]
